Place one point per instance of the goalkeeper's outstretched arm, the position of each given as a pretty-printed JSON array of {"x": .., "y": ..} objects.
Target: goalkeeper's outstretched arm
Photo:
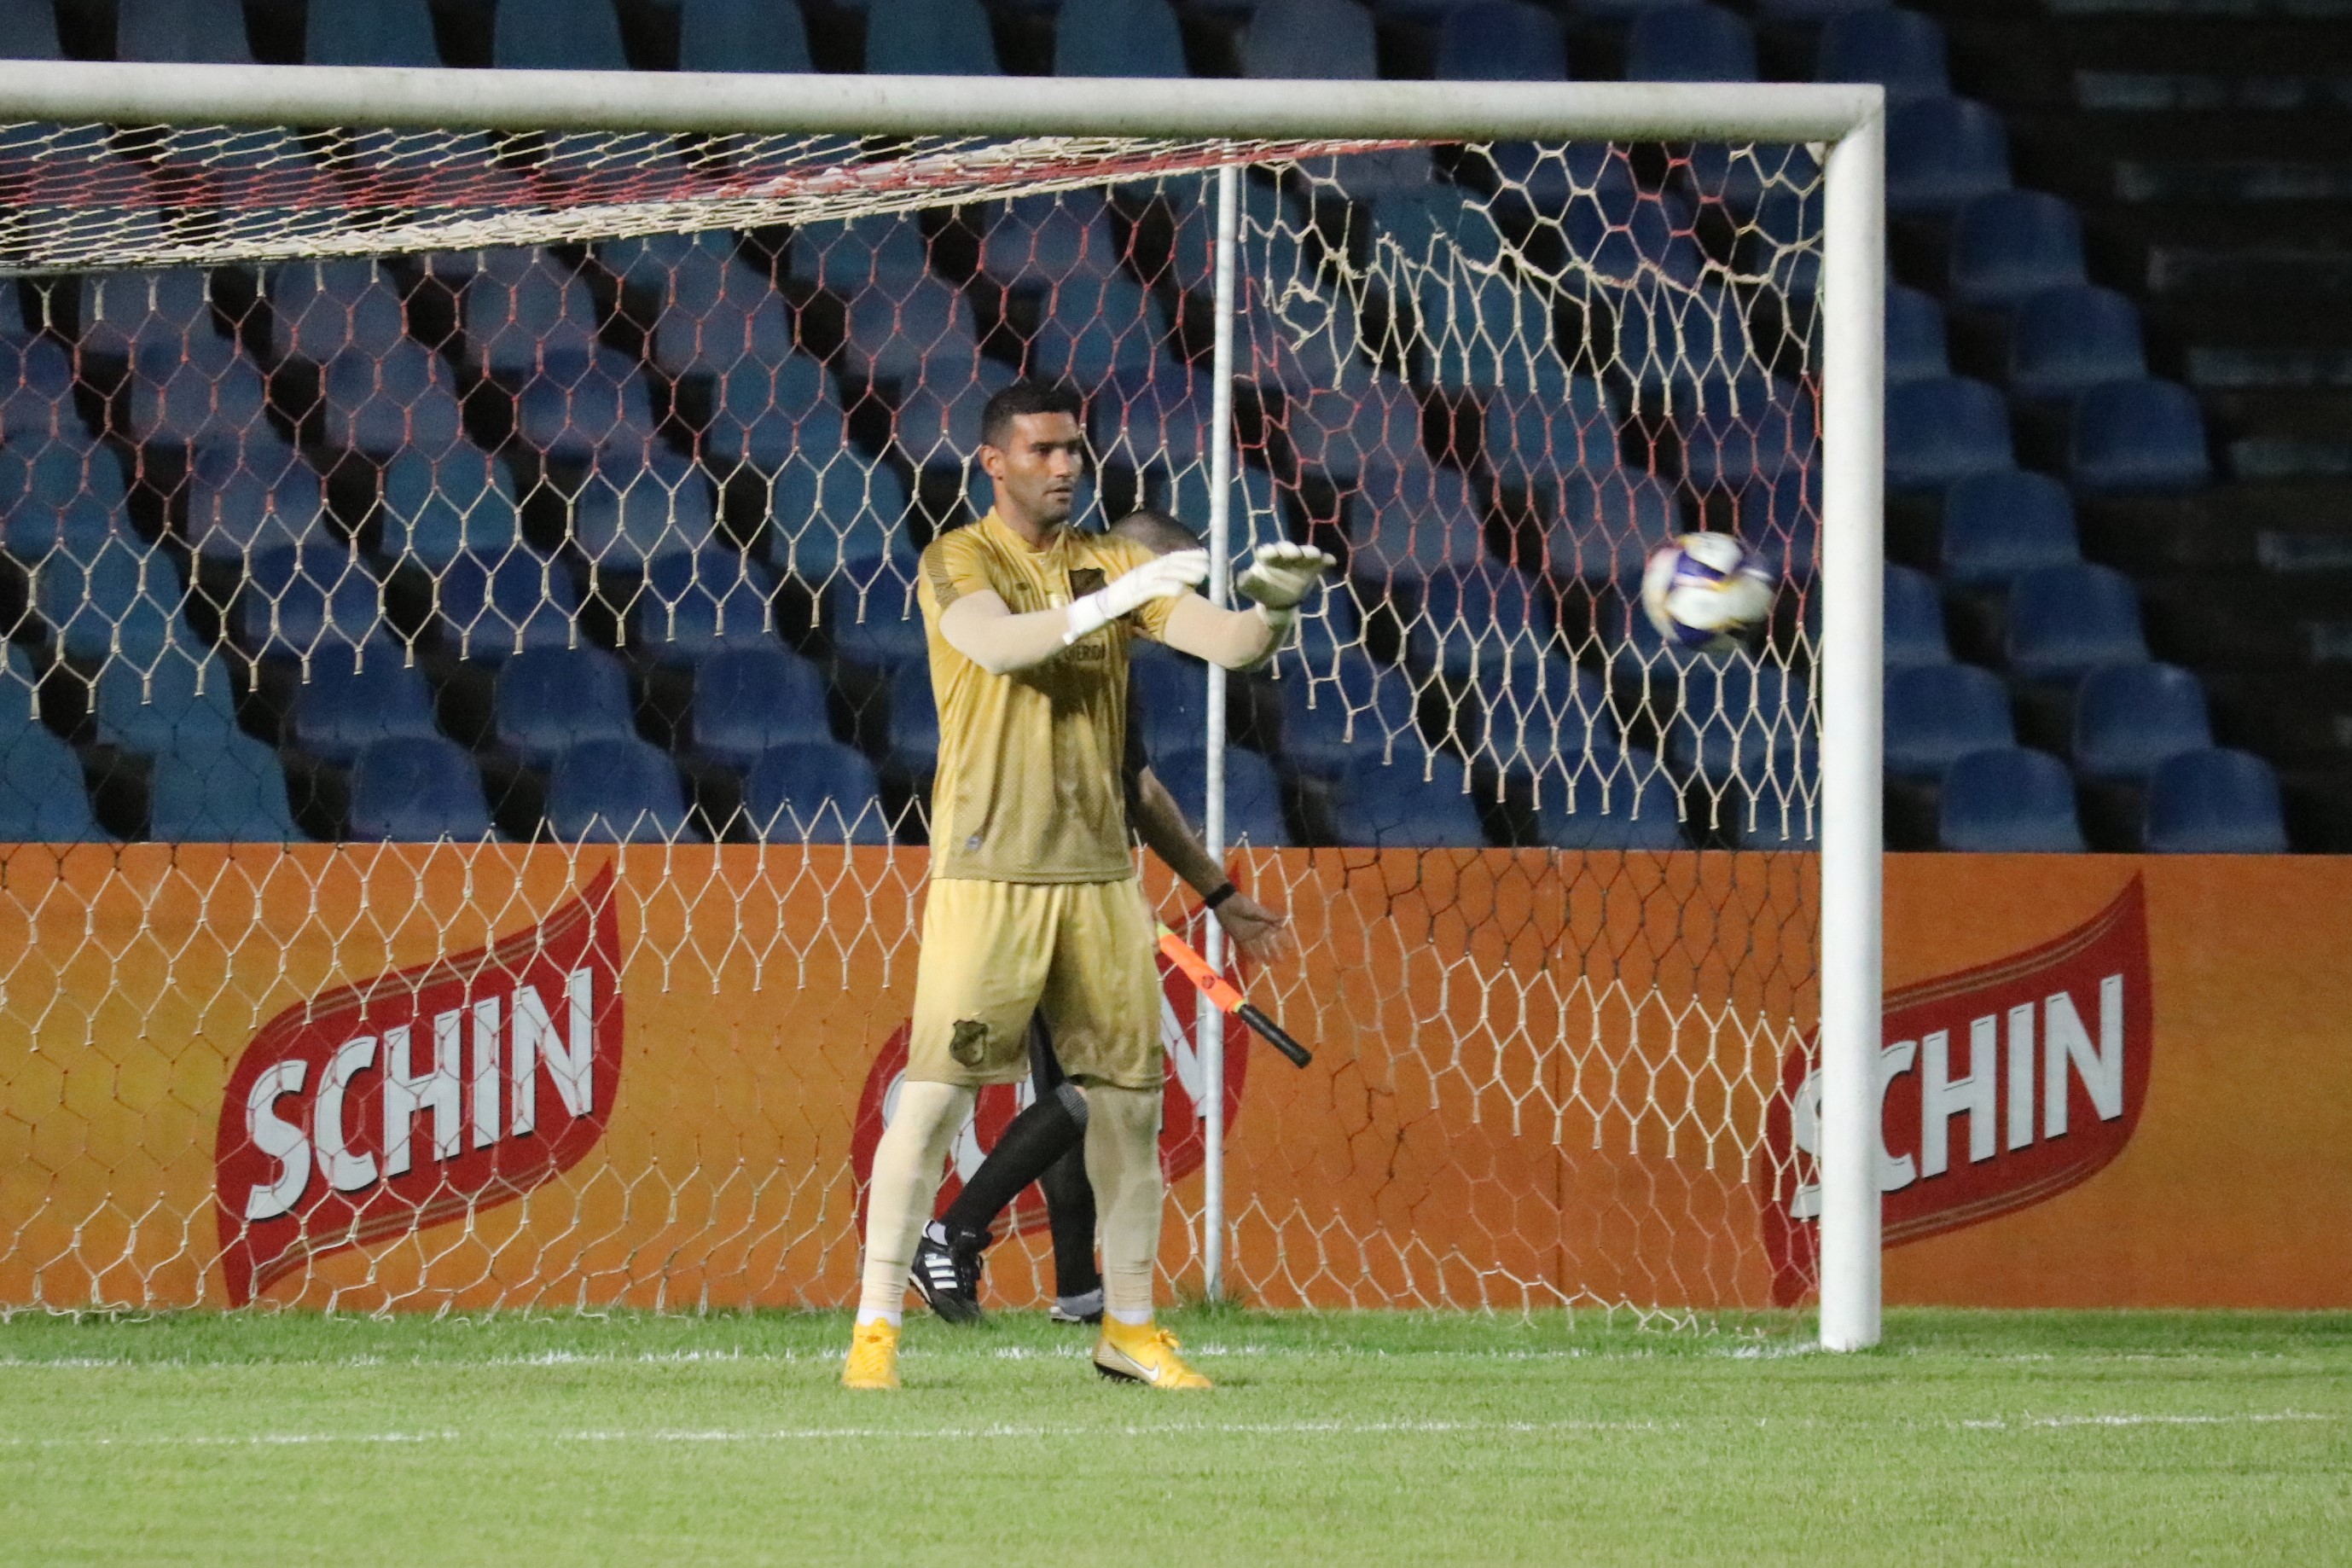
[{"x": 1279, "y": 577}]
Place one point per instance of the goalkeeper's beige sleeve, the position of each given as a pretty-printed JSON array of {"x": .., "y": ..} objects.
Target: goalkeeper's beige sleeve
[
  {"x": 1237, "y": 639},
  {"x": 982, "y": 628}
]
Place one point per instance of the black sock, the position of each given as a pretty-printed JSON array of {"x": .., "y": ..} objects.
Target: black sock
[
  {"x": 1070, "y": 1210},
  {"x": 1038, "y": 1138}
]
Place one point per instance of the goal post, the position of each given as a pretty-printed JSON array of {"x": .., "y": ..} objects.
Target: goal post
[{"x": 818, "y": 149}]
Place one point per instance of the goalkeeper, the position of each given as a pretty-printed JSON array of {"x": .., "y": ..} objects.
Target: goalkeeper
[
  {"x": 1044, "y": 1143},
  {"x": 1034, "y": 904}
]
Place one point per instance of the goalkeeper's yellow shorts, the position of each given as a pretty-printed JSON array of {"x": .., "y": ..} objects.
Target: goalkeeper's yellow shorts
[{"x": 1078, "y": 953}]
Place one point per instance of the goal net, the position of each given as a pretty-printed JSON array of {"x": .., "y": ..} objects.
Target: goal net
[{"x": 468, "y": 726}]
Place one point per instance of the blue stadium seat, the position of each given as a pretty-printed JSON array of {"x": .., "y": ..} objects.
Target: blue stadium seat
[
  {"x": 894, "y": 335},
  {"x": 581, "y": 403},
  {"x": 1689, "y": 43},
  {"x": 1389, "y": 805},
  {"x": 2064, "y": 341},
  {"x": 885, "y": 253},
  {"x": 2008, "y": 801},
  {"x": 322, "y": 600},
  {"x": 928, "y": 37},
  {"x": 1342, "y": 432},
  {"x": 871, "y": 616},
  {"x": 1043, "y": 239},
  {"x": 1915, "y": 619},
  {"x": 524, "y": 310},
  {"x": 1500, "y": 40},
  {"x": 558, "y": 35},
  {"x": 1903, "y": 51},
  {"x": 638, "y": 506},
  {"x": 371, "y": 32},
  {"x": 1662, "y": 329},
  {"x": 2066, "y": 621},
  {"x": 746, "y": 701},
  {"x": 181, "y": 32},
  {"x": 1938, "y": 713},
  {"x": 832, "y": 513},
  {"x": 1171, "y": 700},
  {"x": 1325, "y": 39},
  {"x": 766, "y": 35},
  {"x": 43, "y": 799},
  {"x": 1186, "y": 495},
  {"x": 248, "y": 500},
  {"x": 1253, "y": 794},
  {"x": 617, "y": 791},
  {"x": 815, "y": 792},
  {"x": 1780, "y": 519},
  {"x": 1561, "y": 424},
  {"x": 36, "y": 382},
  {"x": 1915, "y": 337},
  {"x": 694, "y": 608},
  {"x": 81, "y": 527},
  {"x": 1750, "y": 427},
  {"x": 1534, "y": 706},
  {"x": 187, "y": 693},
  {"x": 1351, "y": 707},
  {"x": 319, "y": 311},
  {"x": 401, "y": 398},
  {"x": 1414, "y": 519},
  {"x": 1631, "y": 239},
  {"x": 2132, "y": 435},
  {"x": 1632, "y": 807},
  {"x": 717, "y": 312},
  {"x": 1813, "y": 10},
  {"x": 346, "y": 705},
  {"x": 199, "y": 390},
  {"x": 123, "y": 602},
  {"x": 914, "y": 724},
  {"x": 223, "y": 788},
  {"x": 1119, "y": 38},
  {"x": 121, "y": 312},
  {"x": 937, "y": 422},
  {"x": 1161, "y": 416},
  {"x": 2012, "y": 244},
  {"x": 1097, "y": 328},
  {"x": 1740, "y": 719},
  {"x": 1942, "y": 153},
  {"x": 417, "y": 789},
  {"x": 1945, "y": 429},
  {"x": 493, "y": 606},
  {"x": 548, "y": 699},
  {"x": 29, "y": 31},
  {"x": 1997, "y": 525},
  {"x": 58, "y": 473},
  {"x": 1619, "y": 10},
  {"x": 434, "y": 509},
  {"x": 2215, "y": 801},
  {"x": 1607, "y": 524},
  {"x": 2129, "y": 718},
  {"x": 1479, "y": 617},
  {"x": 766, "y": 413}
]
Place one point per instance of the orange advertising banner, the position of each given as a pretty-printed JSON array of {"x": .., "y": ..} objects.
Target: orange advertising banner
[{"x": 428, "y": 1076}]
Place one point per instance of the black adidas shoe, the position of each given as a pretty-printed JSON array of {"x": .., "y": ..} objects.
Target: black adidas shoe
[{"x": 947, "y": 1271}]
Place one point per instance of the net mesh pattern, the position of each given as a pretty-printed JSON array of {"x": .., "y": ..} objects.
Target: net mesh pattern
[{"x": 441, "y": 519}]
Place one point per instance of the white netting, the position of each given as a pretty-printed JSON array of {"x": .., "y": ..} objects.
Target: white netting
[{"x": 532, "y": 493}]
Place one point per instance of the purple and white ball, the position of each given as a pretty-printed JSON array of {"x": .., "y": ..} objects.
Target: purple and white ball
[{"x": 1707, "y": 592}]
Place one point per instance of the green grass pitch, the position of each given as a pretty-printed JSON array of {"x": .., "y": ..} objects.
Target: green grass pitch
[{"x": 1357, "y": 1439}]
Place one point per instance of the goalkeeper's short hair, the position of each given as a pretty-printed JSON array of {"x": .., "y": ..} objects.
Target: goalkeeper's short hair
[{"x": 1026, "y": 397}]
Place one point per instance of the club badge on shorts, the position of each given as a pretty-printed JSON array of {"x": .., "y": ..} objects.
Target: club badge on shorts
[{"x": 969, "y": 1045}]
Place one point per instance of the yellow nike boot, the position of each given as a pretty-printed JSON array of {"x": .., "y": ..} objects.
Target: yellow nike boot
[
  {"x": 1144, "y": 1354},
  {"x": 873, "y": 1357}
]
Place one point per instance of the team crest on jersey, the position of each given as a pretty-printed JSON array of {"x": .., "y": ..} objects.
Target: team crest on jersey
[{"x": 1085, "y": 580}]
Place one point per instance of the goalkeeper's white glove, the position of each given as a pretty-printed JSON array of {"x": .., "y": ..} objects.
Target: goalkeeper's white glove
[
  {"x": 1279, "y": 576},
  {"x": 1164, "y": 577}
]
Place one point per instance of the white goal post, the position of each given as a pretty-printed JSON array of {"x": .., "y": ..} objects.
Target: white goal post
[{"x": 1843, "y": 124}]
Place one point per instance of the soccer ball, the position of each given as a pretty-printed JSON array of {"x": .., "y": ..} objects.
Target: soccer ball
[{"x": 1706, "y": 591}]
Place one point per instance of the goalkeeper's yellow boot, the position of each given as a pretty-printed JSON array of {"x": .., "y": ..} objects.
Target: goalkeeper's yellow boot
[
  {"x": 873, "y": 1357},
  {"x": 1144, "y": 1353}
]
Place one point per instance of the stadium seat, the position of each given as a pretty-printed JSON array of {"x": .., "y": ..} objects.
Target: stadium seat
[
  {"x": 493, "y": 606},
  {"x": 434, "y": 509},
  {"x": 43, "y": 797},
  {"x": 1414, "y": 519},
  {"x": 767, "y": 412},
  {"x": 885, "y": 251},
  {"x": 914, "y": 725},
  {"x": 1945, "y": 429},
  {"x": 1561, "y": 424},
  {"x": 122, "y": 603},
  {"x": 1343, "y": 432},
  {"x": 1915, "y": 619},
  {"x": 766, "y": 35},
  {"x": 717, "y": 313},
  {"x": 2064, "y": 341},
  {"x": 1997, "y": 525},
  {"x": 831, "y": 514},
  {"x": 815, "y": 792},
  {"x": 1938, "y": 713},
  {"x": 548, "y": 699},
  {"x": 2134, "y": 435},
  {"x": 58, "y": 473},
  {"x": 871, "y": 616},
  {"x": 1630, "y": 807},
  {"x": 1255, "y": 507},
  {"x": 250, "y": 499},
  {"x": 693, "y": 608},
  {"x": 1347, "y": 709},
  {"x": 896, "y": 335},
  {"x": 1633, "y": 239},
  {"x": 1734, "y": 430},
  {"x": 636, "y": 506},
  {"x": 1915, "y": 337},
  {"x": 1900, "y": 50},
  {"x": 1119, "y": 38},
  {"x": 1689, "y": 43},
  {"x": 556, "y": 34},
  {"x": 1479, "y": 617},
  {"x": 200, "y": 391},
  {"x": 1813, "y": 10},
  {"x": 1096, "y": 329},
  {"x": 1325, "y": 39},
  {"x": 581, "y": 403},
  {"x": 1534, "y": 706},
  {"x": 36, "y": 382},
  {"x": 2008, "y": 801},
  {"x": 187, "y": 693},
  {"x": 319, "y": 311},
  {"x": 371, "y": 32},
  {"x": 2214, "y": 802},
  {"x": 1253, "y": 794},
  {"x": 343, "y": 706},
  {"x": 1780, "y": 519},
  {"x": 417, "y": 789},
  {"x": 181, "y": 32},
  {"x": 225, "y": 788},
  {"x": 928, "y": 37},
  {"x": 1663, "y": 329},
  {"x": 617, "y": 791},
  {"x": 2012, "y": 244},
  {"x": 1942, "y": 153},
  {"x": 32, "y": 531},
  {"x": 1606, "y": 524},
  {"x": 322, "y": 601},
  {"x": 748, "y": 701},
  {"x": 29, "y": 31},
  {"x": 1162, "y": 416},
  {"x": 2129, "y": 718},
  {"x": 401, "y": 398},
  {"x": 2065, "y": 621},
  {"x": 1500, "y": 40},
  {"x": 524, "y": 310},
  {"x": 1740, "y": 719},
  {"x": 937, "y": 422},
  {"x": 1043, "y": 239},
  {"x": 1389, "y": 805}
]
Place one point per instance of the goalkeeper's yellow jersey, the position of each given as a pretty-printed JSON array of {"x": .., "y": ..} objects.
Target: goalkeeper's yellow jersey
[{"x": 1029, "y": 786}]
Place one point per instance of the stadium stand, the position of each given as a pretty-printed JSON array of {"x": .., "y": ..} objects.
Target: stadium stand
[{"x": 2008, "y": 800}]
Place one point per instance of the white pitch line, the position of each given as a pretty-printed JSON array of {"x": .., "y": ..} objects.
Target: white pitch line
[{"x": 2257, "y": 1417}]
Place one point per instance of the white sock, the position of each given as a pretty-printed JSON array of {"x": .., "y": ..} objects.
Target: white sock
[
  {"x": 1132, "y": 1319},
  {"x": 907, "y": 1164},
  {"x": 1123, "y": 1163}
]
